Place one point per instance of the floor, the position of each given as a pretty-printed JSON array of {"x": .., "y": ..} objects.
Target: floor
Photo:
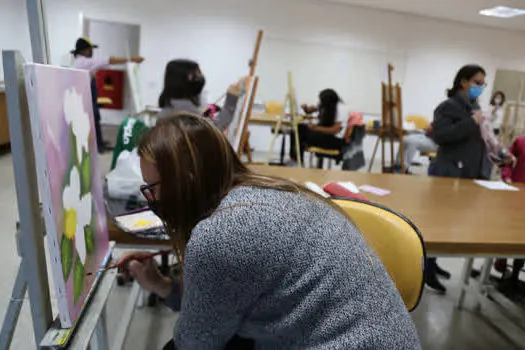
[{"x": 440, "y": 325}]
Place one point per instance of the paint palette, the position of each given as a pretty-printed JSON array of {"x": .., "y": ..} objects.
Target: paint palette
[{"x": 139, "y": 222}]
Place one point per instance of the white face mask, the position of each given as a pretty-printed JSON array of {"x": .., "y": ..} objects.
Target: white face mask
[{"x": 497, "y": 101}]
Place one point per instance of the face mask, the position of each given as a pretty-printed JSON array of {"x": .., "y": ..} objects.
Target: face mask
[
  {"x": 155, "y": 207},
  {"x": 197, "y": 85},
  {"x": 475, "y": 91},
  {"x": 497, "y": 101}
]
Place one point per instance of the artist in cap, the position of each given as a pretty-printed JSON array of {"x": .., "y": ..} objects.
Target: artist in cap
[{"x": 84, "y": 59}]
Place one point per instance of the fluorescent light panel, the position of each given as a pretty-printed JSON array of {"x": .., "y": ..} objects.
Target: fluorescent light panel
[{"x": 502, "y": 12}]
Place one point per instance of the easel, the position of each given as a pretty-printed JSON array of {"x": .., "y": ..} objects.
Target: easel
[
  {"x": 32, "y": 273},
  {"x": 292, "y": 103},
  {"x": 391, "y": 124},
  {"x": 245, "y": 140},
  {"x": 242, "y": 134}
]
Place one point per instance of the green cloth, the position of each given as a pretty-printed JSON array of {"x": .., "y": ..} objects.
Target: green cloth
[{"x": 129, "y": 133}]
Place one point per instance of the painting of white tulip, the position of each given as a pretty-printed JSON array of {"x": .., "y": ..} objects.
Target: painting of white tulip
[{"x": 69, "y": 180}]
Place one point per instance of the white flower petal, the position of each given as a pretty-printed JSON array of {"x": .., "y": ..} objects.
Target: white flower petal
[
  {"x": 71, "y": 194},
  {"x": 83, "y": 219},
  {"x": 78, "y": 118},
  {"x": 80, "y": 244},
  {"x": 84, "y": 210}
]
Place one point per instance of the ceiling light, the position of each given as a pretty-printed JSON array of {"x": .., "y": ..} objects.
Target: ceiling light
[{"x": 502, "y": 12}]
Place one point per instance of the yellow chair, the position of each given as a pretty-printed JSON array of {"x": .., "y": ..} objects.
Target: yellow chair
[
  {"x": 321, "y": 154},
  {"x": 419, "y": 121},
  {"x": 275, "y": 108},
  {"x": 397, "y": 243}
]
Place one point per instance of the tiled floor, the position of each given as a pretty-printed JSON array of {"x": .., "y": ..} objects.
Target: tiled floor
[{"x": 440, "y": 325}]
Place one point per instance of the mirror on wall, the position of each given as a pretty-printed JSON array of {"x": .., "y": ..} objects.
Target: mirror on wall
[{"x": 512, "y": 83}]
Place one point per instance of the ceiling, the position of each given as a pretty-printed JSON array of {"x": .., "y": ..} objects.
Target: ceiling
[{"x": 457, "y": 10}]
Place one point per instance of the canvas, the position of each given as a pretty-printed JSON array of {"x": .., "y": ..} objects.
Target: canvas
[
  {"x": 242, "y": 112},
  {"x": 132, "y": 70},
  {"x": 69, "y": 180}
]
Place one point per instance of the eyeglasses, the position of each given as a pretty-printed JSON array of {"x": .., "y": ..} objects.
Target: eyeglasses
[
  {"x": 480, "y": 83},
  {"x": 148, "y": 192}
]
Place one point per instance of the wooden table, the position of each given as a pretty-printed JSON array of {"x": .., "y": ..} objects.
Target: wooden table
[
  {"x": 266, "y": 119},
  {"x": 456, "y": 217}
]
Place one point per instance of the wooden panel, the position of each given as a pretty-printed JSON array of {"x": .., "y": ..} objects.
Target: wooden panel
[
  {"x": 4, "y": 124},
  {"x": 455, "y": 216}
]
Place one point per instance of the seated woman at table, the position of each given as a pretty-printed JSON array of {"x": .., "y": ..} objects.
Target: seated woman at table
[
  {"x": 462, "y": 152},
  {"x": 329, "y": 125},
  {"x": 267, "y": 263},
  {"x": 183, "y": 85}
]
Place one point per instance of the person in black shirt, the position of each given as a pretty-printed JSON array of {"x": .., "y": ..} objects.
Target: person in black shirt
[
  {"x": 323, "y": 134},
  {"x": 462, "y": 152}
]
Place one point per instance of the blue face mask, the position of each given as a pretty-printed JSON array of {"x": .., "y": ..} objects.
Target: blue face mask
[{"x": 475, "y": 91}]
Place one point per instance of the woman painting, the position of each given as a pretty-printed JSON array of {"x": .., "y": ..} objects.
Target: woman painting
[{"x": 267, "y": 264}]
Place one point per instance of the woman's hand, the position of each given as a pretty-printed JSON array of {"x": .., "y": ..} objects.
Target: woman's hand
[
  {"x": 308, "y": 109},
  {"x": 146, "y": 272},
  {"x": 137, "y": 59},
  {"x": 478, "y": 117},
  {"x": 236, "y": 88},
  {"x": 337, "y": 128}
]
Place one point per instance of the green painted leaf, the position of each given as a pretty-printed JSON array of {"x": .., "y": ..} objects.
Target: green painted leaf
[
  {"x": 73, "y": 156},
  {"x": 78, "y": 279},
  {"x": 90, "y": 239},
  {"x": 85, "y": 173},
  {"x": 66, "y": 253}
]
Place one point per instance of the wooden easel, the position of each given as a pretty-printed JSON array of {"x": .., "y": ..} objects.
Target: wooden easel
[
  {"x": 391, "y": 124},
  {"x": 291, "y": 102},
  {"x": 245, "y": 141},
  {"x": 242, "y": 135}
]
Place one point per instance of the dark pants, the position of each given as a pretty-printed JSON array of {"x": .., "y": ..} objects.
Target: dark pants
[
  {"x": 236, "y": 343},
  {"x": 96, "y": 115},
  {"x": 309, "y": 138}
]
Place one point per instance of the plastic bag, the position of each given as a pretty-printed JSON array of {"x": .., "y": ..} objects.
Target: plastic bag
[
  {"x": 496, "y": 153},
  {"x": 125, "y": 179}
]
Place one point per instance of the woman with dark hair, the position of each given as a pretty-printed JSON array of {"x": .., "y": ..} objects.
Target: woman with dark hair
[
  {"x": 323, "y": 134},
  {"x": 462, "y": 151},
  {"x": 497, "y": 101},
  {"x": 266, "y": 263},
  {"x": 183, "y": 85}
]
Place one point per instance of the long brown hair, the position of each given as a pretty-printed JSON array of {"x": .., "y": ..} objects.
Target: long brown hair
[{"x": 197, "y": 168}]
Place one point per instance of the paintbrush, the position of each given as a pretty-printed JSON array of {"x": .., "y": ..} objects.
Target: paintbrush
[{"x": 124, "y": 262}]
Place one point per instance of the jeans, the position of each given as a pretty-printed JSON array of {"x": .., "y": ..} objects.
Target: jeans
[{"x": 413, "y": 144}]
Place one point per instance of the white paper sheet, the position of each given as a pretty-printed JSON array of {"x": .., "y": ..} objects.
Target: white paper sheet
[
  {"x": 496, "y": 185},
  {"x": 374, "y": 190},
  {"x": 316, "y": 188}
]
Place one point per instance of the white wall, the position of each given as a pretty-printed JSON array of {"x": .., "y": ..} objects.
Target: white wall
[
  {"x": 221, "y": 37},
  {"x": 14, "y": 30}
]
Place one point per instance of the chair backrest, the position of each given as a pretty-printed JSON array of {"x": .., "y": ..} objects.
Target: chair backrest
[
  {"x": 275, "y": 108},
  {"x": 396, "y": 242},
  {"x": 419, "y": 121}
]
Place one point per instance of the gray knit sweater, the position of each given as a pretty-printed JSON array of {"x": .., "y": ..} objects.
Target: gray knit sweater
[
  {"x": 289, "y": 272},
  {"x": 223, "y": 119}
]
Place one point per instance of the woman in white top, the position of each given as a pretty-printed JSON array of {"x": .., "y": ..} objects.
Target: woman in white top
[{"x": 497, "y": 101}]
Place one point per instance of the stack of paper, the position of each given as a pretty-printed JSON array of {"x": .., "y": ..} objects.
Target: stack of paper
[{"x": 496, "y": 185}]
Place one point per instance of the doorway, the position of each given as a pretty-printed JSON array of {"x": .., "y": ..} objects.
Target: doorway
[{"x": 118, "y": 40}]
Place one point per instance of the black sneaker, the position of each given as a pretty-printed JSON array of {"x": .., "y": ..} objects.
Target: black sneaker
[
  {"x": 433, "y": 283},
  {"x": 442, "y": 273}
]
